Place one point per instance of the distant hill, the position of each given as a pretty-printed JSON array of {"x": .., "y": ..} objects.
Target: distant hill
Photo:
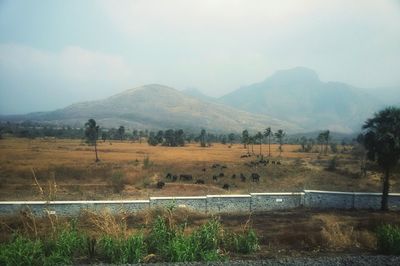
[
  {"x": 198, "y": 95},
  {"x": 299, "y": 96},
  {"x": 158, "y": 107}
]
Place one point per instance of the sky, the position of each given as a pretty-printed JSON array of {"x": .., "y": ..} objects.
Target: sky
[{"x": 54, "y": 53}]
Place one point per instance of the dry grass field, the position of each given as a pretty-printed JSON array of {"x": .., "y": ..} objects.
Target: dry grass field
[{"x": 66, "y": 170}]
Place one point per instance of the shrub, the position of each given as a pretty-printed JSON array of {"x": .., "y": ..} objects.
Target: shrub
[
  {"x": 22, "y": 251},
  {"x": 117, "y": 182},
  {"x": 388, "y": 237},
  {"x": 246, "y": 242},
  {"x": 332, "y": 165},
  {"x": 122, "y": 251},
  {"x": 147, "y": 163}
]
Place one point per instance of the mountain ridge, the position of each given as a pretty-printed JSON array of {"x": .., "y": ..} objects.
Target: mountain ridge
[{"x": 157, "y": 106}]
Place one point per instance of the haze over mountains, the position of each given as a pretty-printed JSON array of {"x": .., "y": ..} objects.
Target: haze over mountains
[
  {"x": 299, "y": 96},
  {"x": 295, "y": 100}
]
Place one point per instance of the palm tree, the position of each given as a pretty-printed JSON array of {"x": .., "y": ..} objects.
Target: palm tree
[
  {"x": 382, "y": 141},
  {"x": 268, "y": 133},
  {"x": 279, "y": 135},
  {"x": 91, "y": 134},
  {"x": 245, "y": 138},
  {"x": 259, "y": 136}
]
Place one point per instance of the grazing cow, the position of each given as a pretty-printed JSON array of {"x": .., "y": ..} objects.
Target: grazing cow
[
  {"x": 199, "y": 181},
  {"x": 221, "y": 174},
  {"x": 186, "y": 177},
  {"x": 160, "y": 184},
  {"x": 215, "y": 178},
  {"x": 215, "y": 165},
  {"x": 224, "y": 167},
  {"x": 233, "y": 176},
  {"x": 225, "y": 186},
  {"x": 255, "y": 177},
  {"x": 174, "y": 178},
  {"x": 242, "y": 177},
  {"x": 204, "y": 169},
  {"x": 278, "y": 162},
  {"x": 168, "y": 176},
  {"x": 273, "y": 162},
  {"x": 243, "y": 156}
]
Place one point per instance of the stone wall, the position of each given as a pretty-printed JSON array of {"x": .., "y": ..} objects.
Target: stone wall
[{"x": 253, "y": 202}]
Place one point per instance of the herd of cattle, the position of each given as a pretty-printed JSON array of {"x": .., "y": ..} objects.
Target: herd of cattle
[{"x": 254, "y": 177}]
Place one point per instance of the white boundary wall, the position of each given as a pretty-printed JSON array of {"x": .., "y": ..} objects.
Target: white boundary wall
[{"x": 253, "y": 202}]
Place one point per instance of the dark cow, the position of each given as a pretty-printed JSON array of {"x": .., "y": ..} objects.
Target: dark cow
[
  {"x": 242, "y": 177},
  {"x": 221, "y": 175},
  {"x": 278, "y": 162},
  {"x": 168, "y": 176},
  {"x": 233, "y": 176},
  {"x": 199, "y": 181},
  {"x": 215, "y": 165},
  {"x": 273, "y": 162},
  {"x": 243, "y": 156},
  {"x": 215, "y": 178},
  {"x": 225, "y": 186},
  {"x": 160, "y": 184},
  {"x": 174, "y": 178},
  {"x": 186, "y": 177},
  {"x": 255, "y": 177},
  {"x": 204, "y": 169},
  {"x": 224, "y": 167}
]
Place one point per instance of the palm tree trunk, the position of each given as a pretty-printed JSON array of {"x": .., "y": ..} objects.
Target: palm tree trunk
[
  {"x": 385, "y": 192},
  {"x": 95, "y": 150},
  {"x": 269, "y": 146}
]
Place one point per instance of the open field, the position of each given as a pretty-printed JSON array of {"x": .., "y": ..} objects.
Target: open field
[{"x": 67, "y": 168}]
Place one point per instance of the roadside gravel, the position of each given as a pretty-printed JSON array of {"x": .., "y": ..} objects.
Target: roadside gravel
[{"x": 297, "y": 261}]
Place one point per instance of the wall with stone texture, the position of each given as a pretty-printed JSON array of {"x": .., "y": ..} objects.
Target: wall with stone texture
[{"x": 254, "y": 202}]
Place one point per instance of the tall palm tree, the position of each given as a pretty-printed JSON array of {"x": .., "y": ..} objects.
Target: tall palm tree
[
  {"x": 91, "y": 134},
  {"x": 382, "y": 141},
  {"x": 259, "y": 136},
  {"x": 268, "y": 133},
  {"x": 279, "y": 135}
]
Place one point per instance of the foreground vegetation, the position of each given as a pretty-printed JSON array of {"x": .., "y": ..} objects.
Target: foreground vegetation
[
  {"x": 177, "y": 234},
  {"x": 163, "y": 240}
]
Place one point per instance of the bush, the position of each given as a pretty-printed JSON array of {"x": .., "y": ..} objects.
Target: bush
[
  {"x": 147, "y": 163},
  {"x": 22, "y": 251},
  {"x": 332, "y": 165},
  {"x": 117, "y": 182},
  {"x": 388, "y": 237},
  {"x": 246, "y": 242},
  {"x": 122, "y": 251}
]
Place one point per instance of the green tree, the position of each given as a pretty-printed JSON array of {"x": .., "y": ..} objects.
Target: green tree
[
  {"x": 280, "y": 135},
  {"x": 259, "y": 136},
  {"x": 91, "y": 134},
  {"x": 231, "y": 138},
  {"x": 382, "y": 141},
  {"x": 203, "y": 138},
  {"x": 245, "y": 139},
  {"x": 268, "y": 133},
  {"x": 121, "y": 132},
  {"x": 303, "y": 143}
]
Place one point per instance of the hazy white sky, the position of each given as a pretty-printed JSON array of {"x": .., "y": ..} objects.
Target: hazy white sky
[{"x": 53, "y": 53}]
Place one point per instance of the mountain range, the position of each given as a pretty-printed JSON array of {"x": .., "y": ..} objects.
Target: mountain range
[{"x": 295, "y": 100}]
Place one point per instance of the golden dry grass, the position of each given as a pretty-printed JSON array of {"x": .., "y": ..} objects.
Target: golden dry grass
[{"x": 70, "y": 163}]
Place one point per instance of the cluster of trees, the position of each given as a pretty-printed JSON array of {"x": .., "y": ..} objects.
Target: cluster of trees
[
  {"x": 259, "y": 138},
  {"x": 170, "y": 138},
  {"x": 35, "y": 130}
]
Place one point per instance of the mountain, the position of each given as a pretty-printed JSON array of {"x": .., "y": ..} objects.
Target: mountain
[
  {"x": 157, "y": 107},
  {"x": 193, "y": 92},
  {"x": 298, "y": 95}
]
